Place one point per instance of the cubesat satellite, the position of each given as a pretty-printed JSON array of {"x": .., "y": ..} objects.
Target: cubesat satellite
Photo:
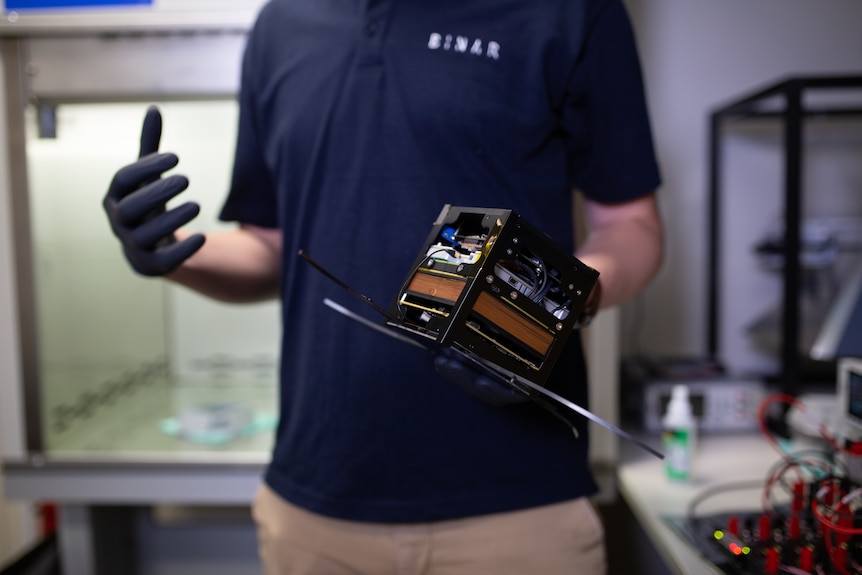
[{"x": 492, "y": 288}]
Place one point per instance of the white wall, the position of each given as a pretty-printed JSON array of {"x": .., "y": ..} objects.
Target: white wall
[
  {"x": 16, "y": 520},
  {"x": 698, "y": 55}
]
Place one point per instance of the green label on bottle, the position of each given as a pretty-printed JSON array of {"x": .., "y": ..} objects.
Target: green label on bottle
[{"x": 677, "y": 447}]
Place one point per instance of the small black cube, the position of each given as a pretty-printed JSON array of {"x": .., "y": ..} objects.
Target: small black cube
[{"x": 494, "y": 288}]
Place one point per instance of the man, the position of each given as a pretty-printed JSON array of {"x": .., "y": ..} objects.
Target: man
[{"x": 358, "y": 121}]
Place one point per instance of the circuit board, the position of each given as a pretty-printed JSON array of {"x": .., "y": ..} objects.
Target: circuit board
[{"x": 779, "y": 541}]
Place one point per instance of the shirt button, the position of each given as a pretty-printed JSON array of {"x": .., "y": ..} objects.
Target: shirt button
[{"x": 371, "y": 29}]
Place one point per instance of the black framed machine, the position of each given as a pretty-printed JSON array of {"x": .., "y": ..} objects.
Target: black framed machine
[{"x": 495, "y": 288}]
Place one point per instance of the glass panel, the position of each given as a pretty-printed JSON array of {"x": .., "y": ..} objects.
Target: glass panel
[{"x": 134, "y": 367}]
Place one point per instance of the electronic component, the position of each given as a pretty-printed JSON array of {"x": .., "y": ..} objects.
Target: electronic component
[
  {"x": 849, "y": 399},
  {"x": 850, "y": 395},
  {"x": 496, "y": 290},
  {"x": 720, "y": 403},
  {"x": 489, "y": 285},
  {"x": 810, "y": 520},
  {"x": 781, "y": 541}
]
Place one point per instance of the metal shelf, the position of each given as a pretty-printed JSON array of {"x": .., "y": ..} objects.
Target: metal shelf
[{"x": 793, "y": 101}]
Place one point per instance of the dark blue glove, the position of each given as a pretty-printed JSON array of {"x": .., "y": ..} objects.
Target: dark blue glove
[
  {"x": 477, "y": 384},
  {"x": 136, "y": 207}
]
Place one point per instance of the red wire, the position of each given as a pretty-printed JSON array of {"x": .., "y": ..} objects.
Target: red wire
[
  {"x": 794, "y": 402},
  {"x": 828, "y": 523}
]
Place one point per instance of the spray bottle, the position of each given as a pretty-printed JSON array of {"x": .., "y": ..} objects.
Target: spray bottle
[{"x": 678, "y": 435}]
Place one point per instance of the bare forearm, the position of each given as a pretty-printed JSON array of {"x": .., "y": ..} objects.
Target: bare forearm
[
  {"x": 625, "y": 244},
  {"x": 233, "y": 266}
]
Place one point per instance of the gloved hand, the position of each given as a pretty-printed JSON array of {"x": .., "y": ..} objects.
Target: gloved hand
[
  {"x": 136, "y": 207},
  {"x": 475, "y": 383}
]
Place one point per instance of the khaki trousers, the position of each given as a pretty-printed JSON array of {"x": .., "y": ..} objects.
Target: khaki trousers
[{"x": 560, "y": 539}]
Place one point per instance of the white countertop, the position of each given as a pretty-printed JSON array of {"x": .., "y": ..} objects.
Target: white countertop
[{"x": 719, "y": 460}]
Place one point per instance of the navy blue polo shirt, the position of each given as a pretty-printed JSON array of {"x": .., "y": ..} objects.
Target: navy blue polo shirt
[{"x": 358, "y": 122}]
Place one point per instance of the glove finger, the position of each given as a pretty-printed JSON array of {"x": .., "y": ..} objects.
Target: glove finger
[
  {"x": 164, "y": 260},
  {"x": 151, "y": 132},
  {"x": 163, "y": 225},
  {"x": 152, "y": 197},
  {"x": 131, "y": 177}
]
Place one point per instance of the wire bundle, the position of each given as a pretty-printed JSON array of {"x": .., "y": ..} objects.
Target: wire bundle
[{"x": 811, "y": 516}]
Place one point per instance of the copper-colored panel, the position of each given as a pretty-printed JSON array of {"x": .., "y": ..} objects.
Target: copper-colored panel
[
  {"x": 513, "y": 323},
  {"x": 442, "y": 288}
]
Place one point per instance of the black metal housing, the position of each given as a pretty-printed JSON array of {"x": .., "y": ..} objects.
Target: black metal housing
[{"x": 493, "y": 287}]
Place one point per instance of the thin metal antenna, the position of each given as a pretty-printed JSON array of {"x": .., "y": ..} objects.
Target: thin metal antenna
[
  {"x": 592, "y": 417},
  {"x": 545, "y": 392},
  {"x": 364, "y": 298},
  {"x": 370, "y": 324}
]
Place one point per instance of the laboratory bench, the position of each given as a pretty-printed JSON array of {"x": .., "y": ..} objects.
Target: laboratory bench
[
  {"x": 655, "y": 500},
  {"x": 754, "y": 505}
]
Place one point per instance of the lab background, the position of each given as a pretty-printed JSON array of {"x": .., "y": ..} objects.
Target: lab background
[{"x": 697, "y": 55}]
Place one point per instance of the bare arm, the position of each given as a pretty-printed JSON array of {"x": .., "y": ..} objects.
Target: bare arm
[
  {"x": 240, "y": 265},
  {"x": 625, "y": 244}
]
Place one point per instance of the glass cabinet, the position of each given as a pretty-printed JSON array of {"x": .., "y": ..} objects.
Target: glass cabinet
[
  {"x": 118, "y": 367},
  {"x": 130, "y": 365}
]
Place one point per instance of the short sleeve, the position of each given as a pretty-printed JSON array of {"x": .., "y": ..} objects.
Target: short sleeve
[
  {"x": 605, "y": 116},
  {"x": 252, "y": 197}
]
